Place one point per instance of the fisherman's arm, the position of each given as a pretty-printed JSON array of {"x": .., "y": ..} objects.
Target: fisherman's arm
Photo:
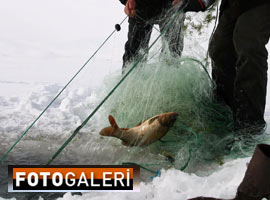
[{"x": 195, "y": 5}]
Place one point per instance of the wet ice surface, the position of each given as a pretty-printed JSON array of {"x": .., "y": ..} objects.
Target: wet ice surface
[{"x": 42, "y": 45}]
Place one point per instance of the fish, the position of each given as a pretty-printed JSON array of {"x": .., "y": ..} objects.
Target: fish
[{"x": 145, "y": 133}]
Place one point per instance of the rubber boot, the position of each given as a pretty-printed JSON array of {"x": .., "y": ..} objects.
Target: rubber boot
[{"x": 256, "y": 182}]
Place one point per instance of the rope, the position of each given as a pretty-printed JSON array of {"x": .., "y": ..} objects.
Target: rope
[
  {"x": 200, "y": 63},
  {"x": 141, "y": 166},
  {"x": 33, "y": 123},
  {"x": 112, "y": 91}
]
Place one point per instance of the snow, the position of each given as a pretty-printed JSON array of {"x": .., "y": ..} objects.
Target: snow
[
  {"x": 175, "y": 185},
  {"x": 51, "y": 38},
  {"x": 43, "y": 43}
]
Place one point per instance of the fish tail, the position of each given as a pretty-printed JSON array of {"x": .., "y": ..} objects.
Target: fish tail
[
  {"x": 113, "y": 122},
  {"x": 111, "y": 130}
]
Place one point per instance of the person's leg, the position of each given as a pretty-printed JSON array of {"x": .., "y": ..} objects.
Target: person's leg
[
  {"x": 138, "y": 38},
  {"x": 223, "y": 55},
  {"x": 174, "y": 36},
  {"x": 251, "y": 34}
]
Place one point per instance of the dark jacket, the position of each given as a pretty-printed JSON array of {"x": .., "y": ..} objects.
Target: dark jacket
[
  {"x": 150, "y": 8},
  {"x": 237, "y": 7}
]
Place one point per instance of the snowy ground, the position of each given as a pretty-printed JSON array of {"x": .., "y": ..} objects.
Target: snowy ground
[{"x": 43, "y": 43}]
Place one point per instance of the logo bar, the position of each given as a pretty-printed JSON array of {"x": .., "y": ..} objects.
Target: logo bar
[{"x": 73, "y": 178}]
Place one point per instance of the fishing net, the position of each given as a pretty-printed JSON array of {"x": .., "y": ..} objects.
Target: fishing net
[
  {"x": 183, "y": 87},
  {"x": 203, "y": 133}
]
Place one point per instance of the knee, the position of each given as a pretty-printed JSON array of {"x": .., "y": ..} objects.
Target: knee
[
  {"x": 220, "y": 50},
  {"x": 242, "y": 44},
  {"x": 248, "y": 41},
  {"x": 254, "y": 50},
  {"x": 251, "y": 51}
]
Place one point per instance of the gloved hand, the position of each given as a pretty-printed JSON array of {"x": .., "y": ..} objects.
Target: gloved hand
[{"x": 130, "y": 8}]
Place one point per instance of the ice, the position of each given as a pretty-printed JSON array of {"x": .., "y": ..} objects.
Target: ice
[{"x": 176, "y": 185}]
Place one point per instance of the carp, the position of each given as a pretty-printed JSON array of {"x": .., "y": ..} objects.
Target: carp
[{"x": 144, "y": 133}]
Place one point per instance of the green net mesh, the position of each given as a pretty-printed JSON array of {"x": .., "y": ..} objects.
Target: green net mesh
[
  {"x": 203, "y": 133},
  {"x": 183, "y": 87}
]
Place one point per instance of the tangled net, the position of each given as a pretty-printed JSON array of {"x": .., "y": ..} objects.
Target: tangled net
[
  {"x": 203, "y": 128},
  {"x": 203, "y": 132}
]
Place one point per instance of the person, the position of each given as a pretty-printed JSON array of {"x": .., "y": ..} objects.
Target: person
[
  {"x": 239, "y": 58},
  {"x": 142, "y": 16}
]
